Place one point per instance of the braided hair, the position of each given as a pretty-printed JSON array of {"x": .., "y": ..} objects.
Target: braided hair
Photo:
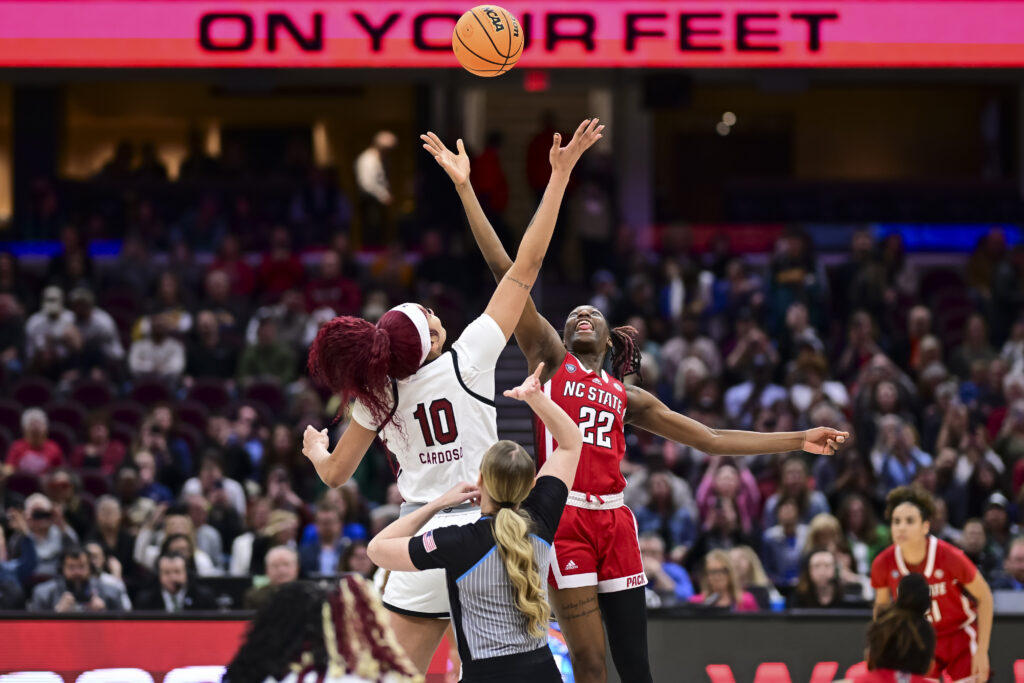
[
  {"x": 625, "y": 352},
  {"x": 900, "y": 637},
  {"x": 287, "y": 630}
]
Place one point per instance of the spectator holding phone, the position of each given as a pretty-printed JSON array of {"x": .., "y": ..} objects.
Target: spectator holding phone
[
  {"x": 76, "y": 589},
  {"x": 43, "y": 523},
  {"x": 213, "y": 485}
]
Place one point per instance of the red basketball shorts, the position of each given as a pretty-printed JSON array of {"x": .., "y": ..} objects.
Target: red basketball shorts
[
  {"x": 954, "y": 652},
  {"x": 596, "y": 545}
]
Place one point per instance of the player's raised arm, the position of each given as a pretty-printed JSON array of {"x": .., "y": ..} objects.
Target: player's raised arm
[
  {"x": 538, "y": 339},
  {"x": 563, "y": 462},
  {"x": 337, "y": 468},
  {"x": 647, "y": 412}
]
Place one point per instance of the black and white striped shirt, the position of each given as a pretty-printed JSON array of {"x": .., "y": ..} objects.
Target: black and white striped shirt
[{"x": 490, "y": 630}]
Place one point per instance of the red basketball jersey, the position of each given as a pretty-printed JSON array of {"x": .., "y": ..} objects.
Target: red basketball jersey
[
  {"x": 597, "y": 402},
  {"x": 890, "y": 676},
  {"x": 947, "y": 571}
]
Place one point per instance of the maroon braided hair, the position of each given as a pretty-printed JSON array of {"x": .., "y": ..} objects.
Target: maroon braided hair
[
  {"x": 357, "y": 359},
  {"x": 625, "y": 352}
]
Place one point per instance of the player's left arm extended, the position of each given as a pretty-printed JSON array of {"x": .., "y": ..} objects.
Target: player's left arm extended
[
  {"x": 647, "y": 412},
  {"x": 389, "y": 549},
  {"x": 978, "y": 587}
]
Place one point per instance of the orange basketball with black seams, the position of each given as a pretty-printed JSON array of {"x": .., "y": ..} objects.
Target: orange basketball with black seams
[{"x": 487, "y": 40}]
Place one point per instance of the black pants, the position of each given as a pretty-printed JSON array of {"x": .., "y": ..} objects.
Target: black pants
[{"x": 625, "y": 619}]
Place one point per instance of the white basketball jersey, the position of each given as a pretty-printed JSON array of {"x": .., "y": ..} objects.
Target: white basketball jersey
[{"x": 447, "y": 415}]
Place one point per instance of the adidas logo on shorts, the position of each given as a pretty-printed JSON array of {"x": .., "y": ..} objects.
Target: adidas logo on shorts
[{"x": 570, "y": 565}]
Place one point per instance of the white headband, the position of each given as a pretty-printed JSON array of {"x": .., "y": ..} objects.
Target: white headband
[{"x": 414, "y": 313}]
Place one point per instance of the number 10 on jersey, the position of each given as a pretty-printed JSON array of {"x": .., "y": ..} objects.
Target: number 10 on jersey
[{"x": 437, "y": 422}]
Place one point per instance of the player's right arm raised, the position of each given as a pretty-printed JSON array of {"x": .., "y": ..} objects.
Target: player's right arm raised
[
  {"x": 538, "y": 339},
  {"x": 563, "y": 462}
]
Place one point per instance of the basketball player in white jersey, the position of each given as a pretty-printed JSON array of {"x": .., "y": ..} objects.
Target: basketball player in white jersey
[{"x": 434, "y": 411}]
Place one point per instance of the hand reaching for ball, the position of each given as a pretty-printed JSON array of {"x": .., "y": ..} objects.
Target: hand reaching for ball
[
  {"x": 564, "y": 158},
  {"x": 455, "y": 165}
]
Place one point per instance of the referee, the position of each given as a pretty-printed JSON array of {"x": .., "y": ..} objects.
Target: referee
[{"x": 496, "y": 567}]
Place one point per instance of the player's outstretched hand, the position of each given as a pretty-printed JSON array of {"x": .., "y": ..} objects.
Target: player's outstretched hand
[
  {"x": 462, "y": 492},
  {"x": 824, "y": 440},
  {"x": 455, "y": 165},
  {"x": 530, "y": 386},
  {"x": 313, "y": 441},
  {"x": 564, "y": 158}
]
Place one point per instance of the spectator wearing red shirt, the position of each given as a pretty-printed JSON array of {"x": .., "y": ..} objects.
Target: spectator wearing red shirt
[
  {"x": 281, "y": 269},
  {"x": 489, "y": 178},
  {"x": 331, "y": 289},
  {"x": 34, "y": 452},
  {"x": 231, "y": 261},
  {"x": 99, "y": 452}
]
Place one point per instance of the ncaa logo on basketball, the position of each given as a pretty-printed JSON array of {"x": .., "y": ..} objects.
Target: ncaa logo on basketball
[
  {"x": 570, "y": 367},
  {"x": 495, "y": 19}
]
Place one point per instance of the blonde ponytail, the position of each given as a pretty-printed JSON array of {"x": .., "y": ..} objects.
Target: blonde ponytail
[
  {"x": 508, "y": 471},
  {"x": 511, "y": 529}
]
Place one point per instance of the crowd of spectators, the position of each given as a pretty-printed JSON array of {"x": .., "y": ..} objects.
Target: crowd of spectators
[{"x": 152, "y": 403}]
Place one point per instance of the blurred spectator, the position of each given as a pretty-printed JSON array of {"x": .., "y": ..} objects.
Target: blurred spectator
[
  {"x": 111, "y": 536},
  {"x": 896, "y": 457},
  {"x": 150, "y": 166},
  {"x": 133, "y": 270},
  {"x": 15, "y": 573},
  {"x": 489, "y": 178},
  {"x": 160, "y": 356},
  {"x": 281, "y": 269},
  {"x": 175, "y": 590},
  {"x": 76, "y": 589},
  {"x": 267, "y": 358},
  {"x": 812, "y": 386},
  {"x": 1013, "y": 350},
  {"x": 241, "y": 550},
  {"x": 149, "y": 487},
  {"x": 282, "y": 528},
  {"x": 355, "y": 560},
  {"x": 197, "y": 561},
  {"x": 50, "y": 335},
  {"x": 940, "y": 525},
  {"x": 720, "y": 587},
  {"x": 64, "y": 489},
  {"x": 818, "y": 585},
  {"x": 724, "y": 479},
  {"x": 208, "y": 354},
  {"x": 208, "y": 537},
  {"x": 784, "y": 543},
  {"x": 100, "y": 340},
  {"x": 332, "y": 288},
  {"x": 668, "y": 512},
  {"x": 99, "y": 452},
  {"x": 795, "y": 483},
  {"x": 861, "y": 346},
  {"x": 1012, "y": 577},
  {"x": 538, "y": 168},
  {"x": 197, "y": 164},
  {"x": 169, "y": 301},
  {"x": 667, "y": 579},
  {"x": 290, "y": 317},
  {"x": 743, "y": 401},
  {"x": 8, "y": 499},
  {"x": 108, "y": 571},
  {"x": 12, "y": 334},
  {"x": 866, "y": 536},
  {"x": 753, "y": 578},
  {"x": 119, "y": 167},
  {"x": 323, "y": 555},
  {"x": 722, "y": 531},
  {"x": 221, "y": 443},
  {"x": 798, "y": 333},
  {"x": 231, "y": 311},
  {"x": 1008, "y": 292},
  {"x": 975, "y": 545},
  {"x": 72, "y": 267},
  {"x": 282, "y": 567},
  {"x": 231, "y": 261},
  {"x": 177, "y": 525},
  {"x": 974, "y": 348},
  {"x": 375, "y": 187},
  {"x": 211, "y": 481},
  {"x": 34, "y": 453},
  {"x": 999, "y": 528}
]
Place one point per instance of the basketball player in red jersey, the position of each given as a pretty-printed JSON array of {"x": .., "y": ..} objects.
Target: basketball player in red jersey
[
  {"x": 901, "y": 642},
  {"x": 962, "y": 634},
  {"x": 596, "y": 569}
]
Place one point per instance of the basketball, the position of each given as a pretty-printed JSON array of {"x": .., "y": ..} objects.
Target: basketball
[{"x": 487, "y": 40}]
